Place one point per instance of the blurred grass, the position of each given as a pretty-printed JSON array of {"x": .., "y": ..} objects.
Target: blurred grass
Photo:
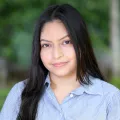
[
  {"x": 115, "y": 82},
  {"x": 3, "y": 94}
]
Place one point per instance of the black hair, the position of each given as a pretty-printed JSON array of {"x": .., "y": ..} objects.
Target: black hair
[{"x": 86, "y": 61}]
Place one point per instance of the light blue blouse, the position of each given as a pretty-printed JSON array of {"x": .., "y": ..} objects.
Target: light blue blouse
[{"x": 100, "y": 101}]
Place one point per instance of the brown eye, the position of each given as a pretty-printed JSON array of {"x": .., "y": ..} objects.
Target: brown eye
[
  {"x": 44, "y": 45},
  {"x": 67, "y": 42}
]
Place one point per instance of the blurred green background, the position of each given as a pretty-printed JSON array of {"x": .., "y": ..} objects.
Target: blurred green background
[{"x": 17, "y": 21}]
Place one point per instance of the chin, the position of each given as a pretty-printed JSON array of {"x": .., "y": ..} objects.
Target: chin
[{"x": 61, "y": 73}]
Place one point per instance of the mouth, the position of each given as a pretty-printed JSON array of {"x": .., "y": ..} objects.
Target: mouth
[{"x": 60, "y": 64}]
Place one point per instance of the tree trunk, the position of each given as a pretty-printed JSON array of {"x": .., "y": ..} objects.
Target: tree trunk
[
  {"x": 114, "y": 37},
  {"x": 3, "y": 73}
]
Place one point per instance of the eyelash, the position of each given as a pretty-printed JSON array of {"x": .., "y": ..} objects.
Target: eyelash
[{"x": 48, "y": 44}]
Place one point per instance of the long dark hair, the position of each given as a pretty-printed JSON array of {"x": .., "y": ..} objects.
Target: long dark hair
[{"x": 86, "y": 61}]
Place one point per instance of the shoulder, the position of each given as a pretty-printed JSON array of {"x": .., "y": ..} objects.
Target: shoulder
[
  {"x": 108, "y": 88},
  {"x": 12, "y": 102},
  {"x": 16, "y": 91},
  {"x": 19, "y": 86},
  {"x": 104, "y": 86},
  {"x": 110, "y": 95}
]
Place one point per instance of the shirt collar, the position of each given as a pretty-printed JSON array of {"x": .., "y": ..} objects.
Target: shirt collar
[
  {"x": 47, "y": 80},
  {"x": 95, "y": 88}
]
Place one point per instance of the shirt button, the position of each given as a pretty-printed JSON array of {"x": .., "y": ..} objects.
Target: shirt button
[
  {"x": 60, "y": 114},
  {"x": 71, "y": 95}
]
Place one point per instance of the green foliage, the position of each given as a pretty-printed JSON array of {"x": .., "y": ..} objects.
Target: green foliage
[
  {"x": 116, "y": 82},
  {"x": 22, "y": 42}
]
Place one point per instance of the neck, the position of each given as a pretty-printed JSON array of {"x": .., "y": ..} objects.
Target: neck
[{"x": 64, "y": 82}]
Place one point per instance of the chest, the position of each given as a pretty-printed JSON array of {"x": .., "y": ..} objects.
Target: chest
[
  {"x": 79, "y": 107},
  {"x": 60, "y": 96}
]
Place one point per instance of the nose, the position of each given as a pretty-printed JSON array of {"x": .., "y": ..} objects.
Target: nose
[{"x": 57, "y": 52}]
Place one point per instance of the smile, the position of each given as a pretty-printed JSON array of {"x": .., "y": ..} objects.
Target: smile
[{"x": 60, "y": 64}]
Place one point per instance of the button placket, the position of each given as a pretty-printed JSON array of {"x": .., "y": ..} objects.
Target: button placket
[{"x": 53, "y": 99}]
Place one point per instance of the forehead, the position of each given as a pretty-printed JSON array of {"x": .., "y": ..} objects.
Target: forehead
[{"x": 53, "y": 30}]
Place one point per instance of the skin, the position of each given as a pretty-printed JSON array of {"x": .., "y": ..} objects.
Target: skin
[{"x": 58, "y": 49}]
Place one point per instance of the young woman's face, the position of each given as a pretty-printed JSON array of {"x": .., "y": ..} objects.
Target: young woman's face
[{"x": 56, "y": 47}]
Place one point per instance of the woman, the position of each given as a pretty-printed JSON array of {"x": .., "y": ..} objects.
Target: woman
[{"x": 65, "y": 82}]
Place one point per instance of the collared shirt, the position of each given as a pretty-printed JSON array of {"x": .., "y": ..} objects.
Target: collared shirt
[{"x": 99, "y": 101}]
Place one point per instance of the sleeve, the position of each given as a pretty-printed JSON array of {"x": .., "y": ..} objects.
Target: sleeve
[
  {"x": 113, "y": 111},
  {"x": 11, "y": 105}
]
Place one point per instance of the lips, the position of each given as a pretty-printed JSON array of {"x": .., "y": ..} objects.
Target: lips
[{"x": 59, "y": 64}]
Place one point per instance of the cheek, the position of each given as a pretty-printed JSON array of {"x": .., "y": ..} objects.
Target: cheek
[
  {"x": 45, "y": 57},
  {"x": 70, "y": 53}
]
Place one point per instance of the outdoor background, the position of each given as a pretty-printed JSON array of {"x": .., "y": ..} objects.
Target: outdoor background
[{"x": 17, "y": 21}]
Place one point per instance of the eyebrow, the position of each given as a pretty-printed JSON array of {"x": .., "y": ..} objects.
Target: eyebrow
[{"x": 58, "y": 39}]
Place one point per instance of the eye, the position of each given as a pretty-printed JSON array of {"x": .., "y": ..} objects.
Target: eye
[
  {"x": 67, "y": 42},
  {"x": 44, "y": 45}
]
